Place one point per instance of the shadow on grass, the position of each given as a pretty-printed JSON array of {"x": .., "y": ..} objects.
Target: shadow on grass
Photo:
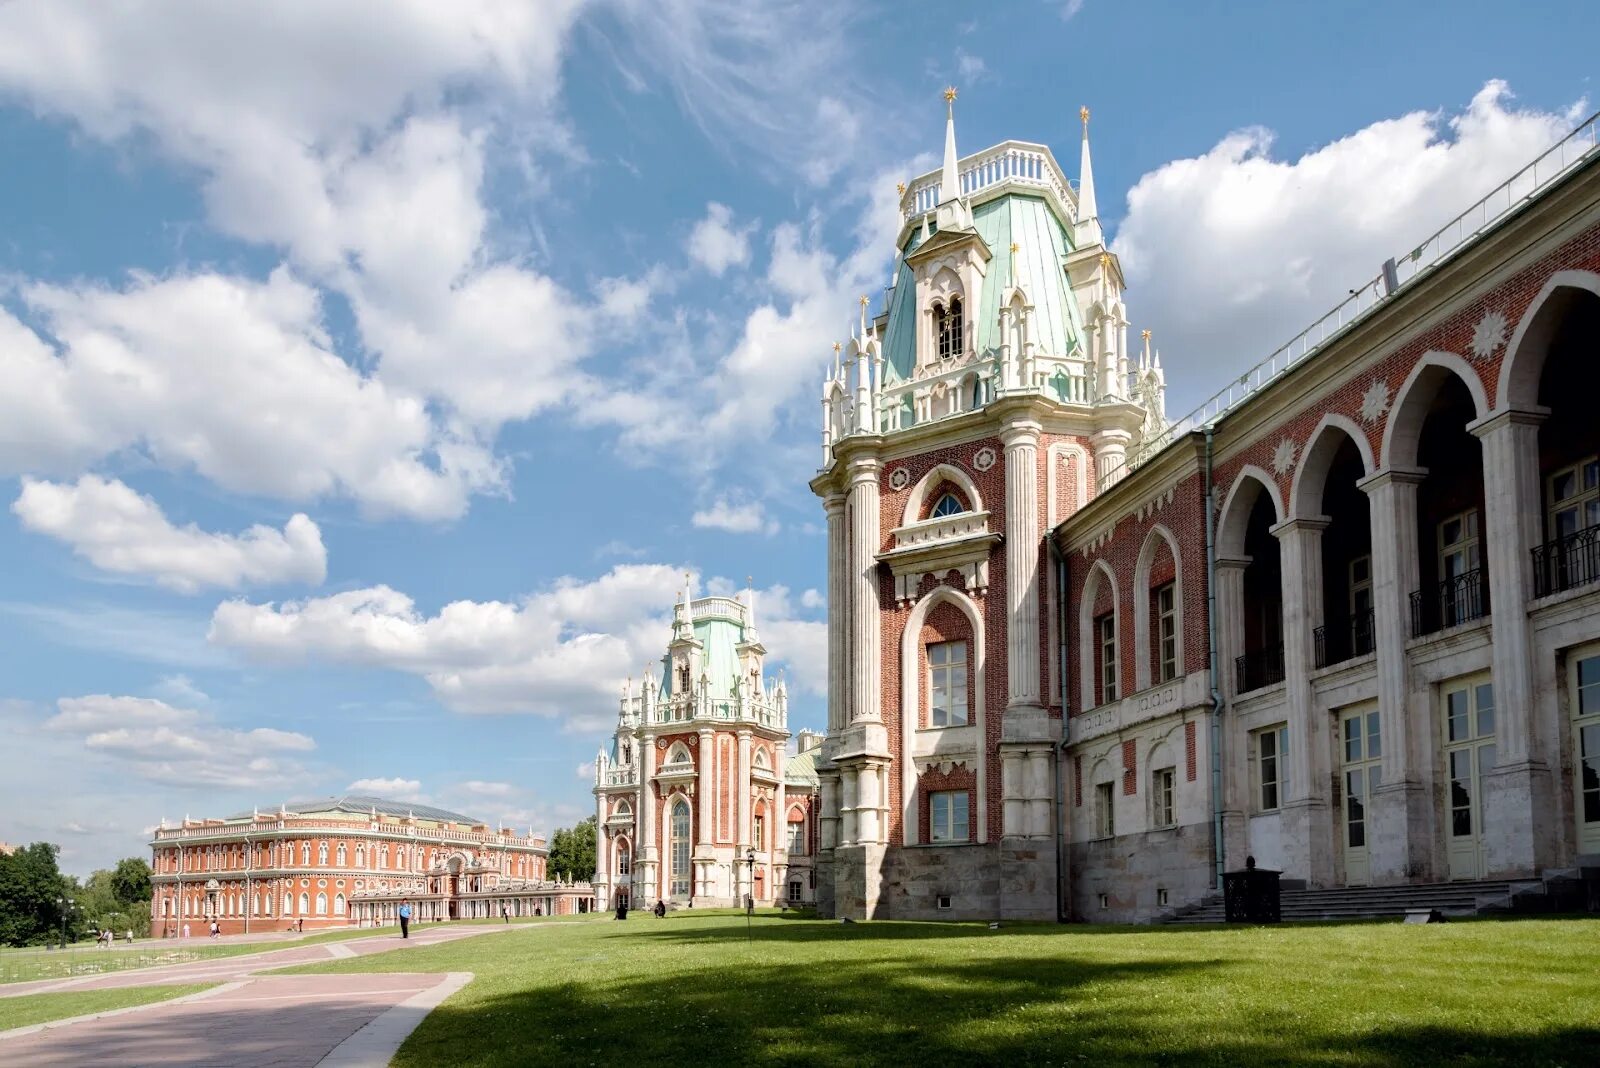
[{"x": 892, "y": 1011}]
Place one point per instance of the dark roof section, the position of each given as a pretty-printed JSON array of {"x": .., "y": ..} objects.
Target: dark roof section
[{"x": 363, "y": 804}]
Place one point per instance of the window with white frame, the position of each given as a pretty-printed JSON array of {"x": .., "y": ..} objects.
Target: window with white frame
[
  {"x": 1574, "y": 498},
  {"x": 341, "y": 855},
  {"x": 797, "y": 838},
  {"x": 1272, "y": 767},
  {"x": 322, "y": 854},
  {"x": 948, "y": 329},
  {"x": 948, "y": 504},
  {"x": 1105, "y": 629},
  {"x": 1167, "y": 633},
  {"x": 1458, "y": 545},
  {"x": 305, "y": 852},
  {"x": 947, "y": 684},
  {"x": 1105, "y": 817},
  {"x": 947, "y": 816},
  {"x": 760, "y": 836},
  {"x": 1163, "y": 796}
]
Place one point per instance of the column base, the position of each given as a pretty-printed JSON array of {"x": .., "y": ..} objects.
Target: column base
[
  {"x": 824, "y": 885},
  {"x": 1028, "y": 888},
  {"x": 1400, "y": 834},
  {"x": 1308, "y": 838},
  {"x": 1519, "y": 825},
  {"x": 858, "y": 882}
]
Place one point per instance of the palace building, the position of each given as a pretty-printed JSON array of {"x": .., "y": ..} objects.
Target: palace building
[
  {"x": 698, "y": 801},
  {"x": 347, "y": 861},
  {"x": 1344, "y": 618}
]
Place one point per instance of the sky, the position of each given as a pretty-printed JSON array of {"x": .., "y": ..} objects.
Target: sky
[{"x": 373, "y": 373}]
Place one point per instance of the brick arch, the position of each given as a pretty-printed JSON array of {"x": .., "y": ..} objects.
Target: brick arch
[
  {"x": 1403, "y": 432},
  {"x": 1100, "y": 572},
  {"x": 1143, "y": 670},
  {"x": 1311, "y": 475},
  {"x": 911, "y": 691},
  {"x": 920, "y": 498},
  {"x": 1523, "y": 366},
  {"x": 1235, "y": 515}
]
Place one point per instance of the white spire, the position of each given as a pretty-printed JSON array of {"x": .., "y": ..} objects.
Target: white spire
[
  {"x": 949, "y": 180},
  {"x": 1088, "y": 229}
]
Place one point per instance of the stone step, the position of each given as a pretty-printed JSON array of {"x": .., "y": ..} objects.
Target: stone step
[{"x": 1464, "y": 898}]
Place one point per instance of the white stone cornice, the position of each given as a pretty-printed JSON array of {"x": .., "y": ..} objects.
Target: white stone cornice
[
  {"x": 1317, "y": 523},
  {"x": 1508, "y": 417},
  {"x": 1391, "y": 475}
]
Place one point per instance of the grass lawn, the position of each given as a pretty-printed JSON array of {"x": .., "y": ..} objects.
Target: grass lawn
[
  {"x": 691, "y": 989},
  {"x": 41, "y": 1008}
]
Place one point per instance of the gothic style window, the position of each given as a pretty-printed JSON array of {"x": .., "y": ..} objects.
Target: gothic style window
[
  {"x": 680, "y": 849},
  {"x": 947, "y": 684},
  {"x": 341, "y": 855},
  {"x": 322, "y": 853},
  {"x": 627, "y": 753},
  {"x": 624, "y": 860},
  {"x": 946, "y": 505},
  {"x": 1167, "y": 633},
  {"x": 305, "y": 852},
  {"x": 1106, "y": 629},
  {"x": 947, "y": 816},
  {"x": 760, "y": 837},
  {"x": 797, "y": 838},
  {"x": 947, "y": 325}
]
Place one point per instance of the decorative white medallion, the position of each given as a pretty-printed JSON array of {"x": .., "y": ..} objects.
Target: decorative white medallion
[
  {"x": 1375, "y": 402},
  {"x": 1488, "y": 335},
  {"x": 899, "y": 478},
  {"x": 1283, "y": 457},
  {"x": 984, "y": 458}
]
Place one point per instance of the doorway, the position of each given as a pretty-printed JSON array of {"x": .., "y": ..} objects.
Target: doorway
[
  {"x": 1363, "y": 773},
  {"x": 1586, "y": 749},
  {"x": 1469, "y": 754}
]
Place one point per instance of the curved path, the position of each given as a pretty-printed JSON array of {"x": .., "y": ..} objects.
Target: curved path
[{"x": 252, "y": 1020}]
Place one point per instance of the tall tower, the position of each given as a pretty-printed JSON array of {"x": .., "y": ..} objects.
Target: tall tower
[{"x": 962, "y": 422}]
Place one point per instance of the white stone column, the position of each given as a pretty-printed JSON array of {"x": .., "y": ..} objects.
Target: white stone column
[
  {"x": 1308, "y": 835},
  {"x": 869, "y": 812},
  {"x": 848, "y": 834},
  {"x": 602, "y": 851},
  {"x": 1021, "y": 441},
  {"x": 865, "y": 706},
  {"x": 645, "y": 855},
  {"x": 706, "y": 787},
  {"x": 838, "y": 614},
  {"x": 1399, "y": 816},
  {"x": 1040, "y": 795},
  {"x": 1110, "y": 457},
  {"x": 1519, "y": 794},
  {"x": 828, "y": 814},
  {"x": 742, "y": 785},
  {"x": 778, "y": 858}
]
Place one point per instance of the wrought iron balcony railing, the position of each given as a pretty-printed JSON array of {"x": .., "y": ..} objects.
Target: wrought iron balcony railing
[
  {"x": 1259, "y": 668},
  {"x": 1344, "y": 639},
  {"x": 1567, "y": 562},
  {"x": 1450, "y": 603}
]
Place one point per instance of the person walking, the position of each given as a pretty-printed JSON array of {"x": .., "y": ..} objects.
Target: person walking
[
  {"x": 186, "y": 930},
  {"x": 505, "y": 913},
  {"x": 405, "y": 919}
]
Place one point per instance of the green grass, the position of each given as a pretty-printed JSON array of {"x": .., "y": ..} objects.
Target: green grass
[
  {"x": 691, "y": 989},
  {"x": 41, "y": 1008}
]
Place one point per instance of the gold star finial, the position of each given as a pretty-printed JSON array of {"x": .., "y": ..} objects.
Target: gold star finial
[
  {"x": 949, "y": 94},
  {"x": 1015, "y": 246},
  {"x": 1145, "y": 334},
  {"x": 836, "y": 348},
  {"x": 863, "y": 300},
  {"x": 1083, "y": 113},
  {"x": 900, "y": 187}
]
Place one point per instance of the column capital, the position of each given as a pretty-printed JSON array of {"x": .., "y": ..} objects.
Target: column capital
[
  {"x": 706, "y": 732},
  {"x": 833, "y": 504},
  {"x": 1505, "y": 417},
  {"x": 1403, "y": 476},
  {"x": 1295, "y": 524},
  {"x": 1019, "y": 433},
  {"x": 865, "y": 469},
  {"x": 1233, "y": 563},
  {"x": 745, "y": 734}
]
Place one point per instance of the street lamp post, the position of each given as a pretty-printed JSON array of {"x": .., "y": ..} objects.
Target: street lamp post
[
  {"x": 63, "y": 904},
  {"x": 750, "y": 888}
]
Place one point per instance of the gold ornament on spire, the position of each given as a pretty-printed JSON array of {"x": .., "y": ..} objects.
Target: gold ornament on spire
[
  {"x": 1145, "y": 334},
  {"x": 836, "y": 348},
  {"x": 1014, "y": 247},
  {"x": 949, "y": 94},
  {"x": 863, "y": 300},
  {"x": 1083, "y": 113},
  {"x": 900, "y": 187},
  {"x": 1105, "y": 260}
]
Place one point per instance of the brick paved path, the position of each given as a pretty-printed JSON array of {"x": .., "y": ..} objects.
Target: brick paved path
[{"x": 256, "y": 1020}]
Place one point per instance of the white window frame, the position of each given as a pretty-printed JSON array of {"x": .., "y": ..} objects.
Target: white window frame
[
  {"x": 1164, "y": 797},
  {"x": 1584, "y": 495},
  {"x": 1274, "y": 762},
  {"x": 942, "y": 825},
  {"x": 797, "y": 838},
  {"x": 940, "y": 676},
  {"x": 1167, "y": 632},
  {"x": 1105, "y": 629},
  {"x": 1470, "y": 543},
  {"x": 1105, "y": 810}
]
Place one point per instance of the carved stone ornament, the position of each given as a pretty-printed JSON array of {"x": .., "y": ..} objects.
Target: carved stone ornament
[
  {"x": 899, "y": 478},
  {"x": 1283, "y": 457},
  {"x": 984, "y": 458},
  {"x": 1489, "y": 335},
  {"x": 1375, "y": 402}
]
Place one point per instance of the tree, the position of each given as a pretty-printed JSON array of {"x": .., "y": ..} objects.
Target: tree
[
  {"x": 130, "y": 882},
  {"x": 30, "y": 883},
  {"x": 572, "y": 852}
]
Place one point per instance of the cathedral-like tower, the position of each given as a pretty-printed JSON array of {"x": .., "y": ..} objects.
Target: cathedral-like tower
[{"x": 965, "y": 420}]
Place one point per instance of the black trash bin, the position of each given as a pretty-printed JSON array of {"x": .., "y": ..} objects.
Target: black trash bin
[{"x": 1251, "y": 896}]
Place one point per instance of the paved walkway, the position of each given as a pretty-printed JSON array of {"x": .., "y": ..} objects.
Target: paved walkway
[{"x": 253, "y": 1020}]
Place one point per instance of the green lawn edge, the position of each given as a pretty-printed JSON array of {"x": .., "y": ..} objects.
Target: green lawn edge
[{"x": 25, "y": 1010}]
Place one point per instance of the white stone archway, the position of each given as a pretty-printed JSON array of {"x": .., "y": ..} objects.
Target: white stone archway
[{"x": 911, "y": 697}]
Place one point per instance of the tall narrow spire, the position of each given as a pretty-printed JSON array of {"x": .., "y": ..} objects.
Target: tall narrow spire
[
  {"x": 949, "y": 180},
  {"x": 1088, "y": 229}
]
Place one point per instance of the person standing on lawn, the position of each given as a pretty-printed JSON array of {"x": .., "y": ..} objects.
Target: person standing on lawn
[{"x": 405, "y": 919}]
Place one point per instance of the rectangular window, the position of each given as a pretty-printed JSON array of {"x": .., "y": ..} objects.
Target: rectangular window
[
  {"x": 1272, "y": 769},
  {"x": 1574, "y": 498},
  {"x": 1105, "y": 821},
  {"x": 947, "y": 684},
  {"x": 947, "y": 816},
  {"x": 760, "y": 837},
  {"x": 794, "y": 892},
  {"x": 1106, "y": 631},
  {"x": 1166, "y": 633},
  {"x": 797, "y": 839},
  {"x": 1166, "y": 814},
  {"x": 1458, "y": 545}
]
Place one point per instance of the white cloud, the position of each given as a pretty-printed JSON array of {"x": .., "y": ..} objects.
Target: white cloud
[
  {"x": 812, "y": 599},
  {"x": 563, "y": 652},
  {"x": 1235, "y": 251},
  {"x": 163, "y": 743},
  {"x": 971, "y": 68},
  {"x": 181, "y": 688},
  {"x": 479, "y": 788},
  {"x": 1070, "y": 9},
  {"x": 121, "y": 531},
  {"x": 395, "y": 789},
  {"x": 715, "y": 243},
  {"x": 746, "y": 518},
  {"x": 586, "y": 771}
]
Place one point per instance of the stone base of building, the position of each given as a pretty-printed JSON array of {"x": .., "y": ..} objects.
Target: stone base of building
[
  {"x": 1120, "y": 880},
  {"x": 1014, "y": 879}
]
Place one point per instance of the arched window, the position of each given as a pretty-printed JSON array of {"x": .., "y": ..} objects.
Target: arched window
[
  {"x": 305, "y": 904},
  {"x": 341, "y": 855},
  {"x": 338, "y": 904},
  {"x": 627, "y": 753},
  {"x": 288, "y": 904},
  {"x": 678, "y": 754},
  {"x": 322, "y": 854},
  {"x": 305, "y": 852},
  {"x": 946, "y": 505},
  {"x": 680, "y": 848},
  {"x": 948, "y": 326},
  {"x": 322, "y": 904},
  {"x": 361, "y": 855},
  {"x": 624, "y": 859}
]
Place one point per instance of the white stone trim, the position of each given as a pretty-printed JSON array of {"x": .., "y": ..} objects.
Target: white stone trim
[
  {"x": 910, "y": 696},
  {"x": 1231, "y": 523},
  {"x": 1511, "y": 365},
  {"x": 1315, "y": 460},
  {"x": 926, "y": 484},
  {"x": 1143, "y": 675},
  {"x": 1088, "y": 647},
  {"x": 1403, "y": 431}
]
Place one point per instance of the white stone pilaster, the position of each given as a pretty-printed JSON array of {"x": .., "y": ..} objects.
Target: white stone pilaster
[
  {"x": 838, "y": 614},
  {"x": 742, "y": 784},
  {"x": 707, "y": 787},
  {"x": 1021, "y": 442},
  {"x": 828, "y": 813},
  {"x": 645, "y": 854},
  {"x": 865, "y": 705},
  {"x": 1308, "y": 832},
  {"x": 848, "y": 823}
]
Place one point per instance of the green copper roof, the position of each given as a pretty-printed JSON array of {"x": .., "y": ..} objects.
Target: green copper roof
[
  {"x": 802, "y": 769},
  {"x": 1043, "y": 244},
  {"x": 363, "y": 805},
  {"x": 719, "y": 640}
]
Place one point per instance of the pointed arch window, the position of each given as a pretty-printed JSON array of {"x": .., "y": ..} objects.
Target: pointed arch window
[
  {"x": 948, "y": 328},
  {"x": 948, "y": 504},
  {"x": 680, "y": 849}
]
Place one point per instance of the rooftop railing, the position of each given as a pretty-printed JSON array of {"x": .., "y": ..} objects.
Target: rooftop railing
[
  {"x": 1020, "y": 162},
  {"x": 1521, "y": 188}
]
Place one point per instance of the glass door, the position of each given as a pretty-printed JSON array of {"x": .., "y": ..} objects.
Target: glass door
[
  {"x": 1469, "y": 753},
  {"x": 1363, "y": 773},
  {"x": 1586, "y": 750}
]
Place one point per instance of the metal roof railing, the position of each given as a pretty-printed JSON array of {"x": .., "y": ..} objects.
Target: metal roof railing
[{"x": 1521, "y": 188}]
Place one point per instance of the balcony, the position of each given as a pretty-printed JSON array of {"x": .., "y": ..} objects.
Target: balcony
[
  {"x": 1566, "y": 563},
  {"x": 1450, "y": 603},
  {"x": 1345, "y": 639},
  {"x": 1260, "y": 668},
  {"x": 935, "y": 546}
]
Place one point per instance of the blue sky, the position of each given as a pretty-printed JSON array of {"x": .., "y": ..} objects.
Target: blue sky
[{"x": 370, "y": 374}]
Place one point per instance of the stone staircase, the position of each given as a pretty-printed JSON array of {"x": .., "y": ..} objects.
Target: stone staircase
[{"x": 1376, "y": 902}]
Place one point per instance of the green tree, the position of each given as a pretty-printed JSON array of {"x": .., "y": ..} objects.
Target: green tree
[
  {"x": 130, "y": 882},
  {"x": 572, "y": 852},
  {"x": 30, "y": 883}
]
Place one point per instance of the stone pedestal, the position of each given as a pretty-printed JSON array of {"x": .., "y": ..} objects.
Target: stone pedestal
[
  {"x": 858, "y": 882},
  {"x": 1519, "y": 820},
  {"x": 1027, "y": 879},
  {"x": 1399, "y": 833}
]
